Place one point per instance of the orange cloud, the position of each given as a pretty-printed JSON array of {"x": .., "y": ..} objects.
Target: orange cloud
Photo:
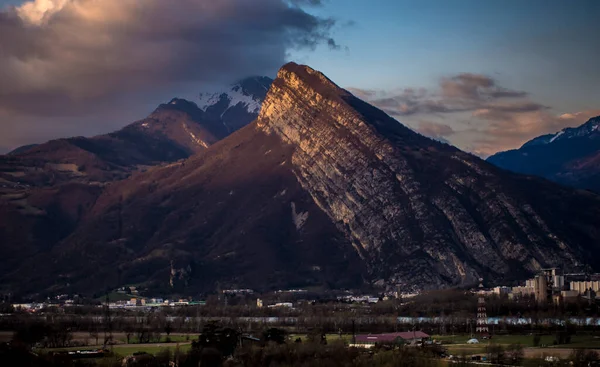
[{"x": 517, "y": 128}]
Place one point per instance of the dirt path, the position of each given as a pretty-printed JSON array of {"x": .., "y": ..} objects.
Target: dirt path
[{"x": 555, "y": 352}]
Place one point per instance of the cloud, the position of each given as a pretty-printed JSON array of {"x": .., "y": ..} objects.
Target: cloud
[
  {"x": 474, "y": 110},
  {"x": 514, "y": 130},
  {"x": 475, "y": 87},
  {"x": 365, "y": 94},
  {"x": 465, "y": 92},
  {"x": 74, "y": 57},
  {"x": 435, "y": 130}
]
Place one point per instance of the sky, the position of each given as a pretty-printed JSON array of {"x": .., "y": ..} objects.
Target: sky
[{"x": 485, "y": 76}]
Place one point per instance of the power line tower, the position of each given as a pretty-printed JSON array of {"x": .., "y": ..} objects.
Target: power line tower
[
  {"x": 107, "y": 323},
  {"x": 482, "y": 327}
]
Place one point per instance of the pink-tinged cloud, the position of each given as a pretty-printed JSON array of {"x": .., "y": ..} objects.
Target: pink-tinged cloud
[
  {"x": 518, "y": 128},
  {"x": 435, "y": 130},
  {"x": 498, "y": 118}
]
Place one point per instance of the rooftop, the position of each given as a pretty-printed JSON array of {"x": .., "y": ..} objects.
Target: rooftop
[{"x": 390, "y": 337}]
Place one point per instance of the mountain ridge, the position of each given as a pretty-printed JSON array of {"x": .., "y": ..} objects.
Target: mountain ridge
[
  {"x": 321, "y": 190},
  {"x": 570, "y": 157}
]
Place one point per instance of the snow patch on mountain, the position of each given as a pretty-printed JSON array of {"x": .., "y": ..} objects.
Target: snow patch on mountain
[
  {"x": 556, "y": 136},
  {"x": 234, "y": 95},
  {"x": 589, "y": 129},
  {"x": 193, "y": 136}
]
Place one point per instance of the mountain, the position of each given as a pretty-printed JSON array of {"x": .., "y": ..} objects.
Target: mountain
[
  {"x": 236, "y": 105},
  {"x": 174, "y": 131},
  {"x": 21, "y": 149},
  {"x": 570, "y": 157},
  {"x": 324, "y": 190},
  {"x": 46, "y": 189}
]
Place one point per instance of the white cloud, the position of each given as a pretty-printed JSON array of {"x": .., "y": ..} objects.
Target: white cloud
[{"x": 39, "y": 11}]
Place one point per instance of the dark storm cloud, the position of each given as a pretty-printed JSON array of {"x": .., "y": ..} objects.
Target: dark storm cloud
[{"x": 65, "y": 56}]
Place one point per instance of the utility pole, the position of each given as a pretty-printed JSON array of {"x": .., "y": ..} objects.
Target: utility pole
[{"x": 108, "y": 323}]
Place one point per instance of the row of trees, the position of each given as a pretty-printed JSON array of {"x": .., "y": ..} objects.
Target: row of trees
[{"x": 149, "y": 327}]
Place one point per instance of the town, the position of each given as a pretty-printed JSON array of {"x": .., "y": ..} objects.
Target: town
[
  {"x": 545, "y": 318},
  {"x": 549, "y": 286}
]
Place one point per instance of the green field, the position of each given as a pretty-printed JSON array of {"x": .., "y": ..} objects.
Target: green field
[
  {"x": 163, "y": 339},
  {"x": 128, "y": 349}
]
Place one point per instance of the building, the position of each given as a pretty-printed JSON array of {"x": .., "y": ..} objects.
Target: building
[
  {"x": 541, "y": 288},
  {"x": 530, "y": 283},
  {"x": 237, "y": 291},
  {"x": 566, "y": 295},
  {"x": 583, "y": 286},
  {"x": 282, "y": 305},
  {"x": 407, "y": 337},
  {"x": 501, "y": 290},
  {"x": 523, "y": 291},
  {"x": 558, "y": 282}
]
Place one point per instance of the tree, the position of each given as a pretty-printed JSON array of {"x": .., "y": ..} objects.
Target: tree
[
  {"x": 94, "y": 335},
  {"x": 58, "y": 337},
  {"x": 317, "y": 336},
  {"x": 215, "y": 337},
  {"x": 128, "y": 332},
  {"x": 274, "y": 335},
  {"x": 168, "y": 330},
  {"x": 30, "y": 334},
  {"x": 584, "y": 358},
  {"x": 515, "y": 354},
  {"x": 495, "y": 353},
  {"x": 562, "y": 337}
]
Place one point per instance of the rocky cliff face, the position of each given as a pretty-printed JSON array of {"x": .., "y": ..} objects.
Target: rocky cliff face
[
  {"x": 323, "y": 189},
  {"x": 417, "y": 211},
  {"x": 570, "y": 157}
]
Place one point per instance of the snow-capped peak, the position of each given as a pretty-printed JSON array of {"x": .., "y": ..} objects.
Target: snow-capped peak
[
  {"x": 591, "y": 129},
  {"x": 234, "y": 95},
  {"x": 248, "y": 94}
]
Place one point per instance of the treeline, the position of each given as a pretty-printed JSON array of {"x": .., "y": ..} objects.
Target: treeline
[{"x": 146, "y": 326}]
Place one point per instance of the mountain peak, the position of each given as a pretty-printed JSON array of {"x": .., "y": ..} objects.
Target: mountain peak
[
  {"x": 303, "y": 76},
  {"x": 236, "y": 105},
  {"x": 181, "y": 105}
]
